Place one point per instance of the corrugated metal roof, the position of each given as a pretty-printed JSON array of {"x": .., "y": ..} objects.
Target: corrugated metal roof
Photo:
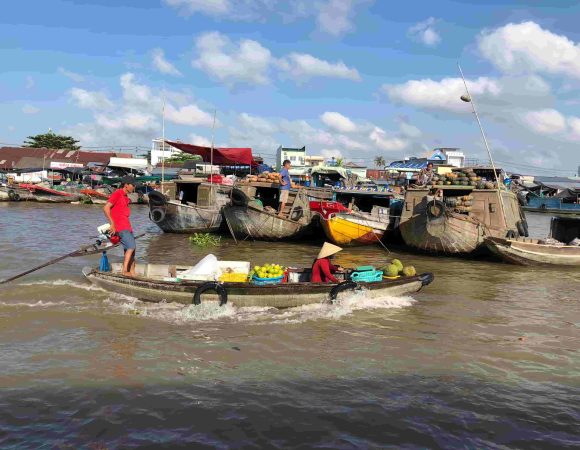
[{"x": 411, "y": 164}]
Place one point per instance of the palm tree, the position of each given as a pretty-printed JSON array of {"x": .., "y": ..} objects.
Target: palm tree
[
  {"x": 339, "y": 162},
  {"x": 380, "y": 161}
]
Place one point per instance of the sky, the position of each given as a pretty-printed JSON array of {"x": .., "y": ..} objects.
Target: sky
[{"x": 346, "y": 78}]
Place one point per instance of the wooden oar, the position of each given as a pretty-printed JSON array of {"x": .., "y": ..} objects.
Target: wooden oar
[{"x": 86, "y": 250}]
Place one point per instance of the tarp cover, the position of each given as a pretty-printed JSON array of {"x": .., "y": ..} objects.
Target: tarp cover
[{"x": 221, "y": 156}]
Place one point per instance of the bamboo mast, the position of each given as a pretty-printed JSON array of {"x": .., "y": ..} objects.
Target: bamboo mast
[
  {"x": 163, "y": 142},
  {"x": 469, "y": 99},
  {"x": 211, "y": 156}
]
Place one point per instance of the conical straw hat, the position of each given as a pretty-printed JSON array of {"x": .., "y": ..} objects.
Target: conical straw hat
[{"x": 328, "y": 249}]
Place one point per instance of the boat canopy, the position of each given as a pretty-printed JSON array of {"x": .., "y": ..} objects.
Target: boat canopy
[
  {"x": 221, "y": 156},
  {"x": 330, "y": 170},
  {"x": 129, "y": 163}
]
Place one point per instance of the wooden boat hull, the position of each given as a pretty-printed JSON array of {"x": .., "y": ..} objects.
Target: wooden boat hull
[
  {"x": 347, "y": 229},
  {"x": 178, "y": 218},
  {"x": 530, "y": 253},
  {"x": 32, "y": 195},
  {"x": 452, "y": 233},
  {"x": 245, "y": 294},
  {"x": 249, "y": 222}
]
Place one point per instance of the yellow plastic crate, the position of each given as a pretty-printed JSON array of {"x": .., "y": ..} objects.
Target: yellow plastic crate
[{"x": 233, "y": 277}]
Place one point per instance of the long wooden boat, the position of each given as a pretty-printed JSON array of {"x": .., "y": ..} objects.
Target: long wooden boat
[
  {"x": 37, "y": 193},
  {"x": 458, "y": 219},
  {"x": 151, "y": 285},
  {"x": 198, "y": 210},
  {"x": 530, "y": 252},
  {"x": 256, "y": 216}
]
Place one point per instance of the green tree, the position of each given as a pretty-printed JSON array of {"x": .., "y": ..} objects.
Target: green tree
[
  {"x": 380, "y": 161},
  {"x": 52, "y": 140},
  {"x": 339, "y": 162},
  {"x": 182, "y": 157}
]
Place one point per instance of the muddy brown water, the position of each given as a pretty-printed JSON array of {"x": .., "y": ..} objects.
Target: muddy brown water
[{"x": 486, "y": 357}]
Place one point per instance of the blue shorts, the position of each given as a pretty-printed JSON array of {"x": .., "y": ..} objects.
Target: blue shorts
[{"x": 128, "y": 240}]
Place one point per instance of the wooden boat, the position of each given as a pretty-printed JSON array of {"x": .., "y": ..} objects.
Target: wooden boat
[
  {"x": 374, "y": 215},
  {"x": 151, "y": 285},
  {"x": 528, "y": 252},
  {"x": 198, "y": 210},
  {"x": 253, "y": 214},
  {"x": 444, "y": 224},
  {"x": 37, "y": 193}
]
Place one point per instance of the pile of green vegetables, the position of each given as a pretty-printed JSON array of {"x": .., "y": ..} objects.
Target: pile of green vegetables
[{"x": 204, "y": 240}]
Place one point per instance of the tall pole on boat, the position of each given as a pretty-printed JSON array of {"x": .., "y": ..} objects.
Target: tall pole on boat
[
  {"x": 211, "y": 156},
  {"x": 163, "y": 142},
  {"x": 469, "y": 99}
]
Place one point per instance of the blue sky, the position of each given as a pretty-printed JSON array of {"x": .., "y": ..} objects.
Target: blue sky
[{"x": 351, "y": 78}]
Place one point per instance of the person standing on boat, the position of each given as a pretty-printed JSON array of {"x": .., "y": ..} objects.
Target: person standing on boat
[
  {"x": 426, "y": 175},
  {"x": 323, "y": 269},
  {"x": 117, "y": 212},
  {"x": 285, "y": 185}
]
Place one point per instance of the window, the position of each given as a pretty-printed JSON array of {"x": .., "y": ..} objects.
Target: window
[{"x": 293, "y": 158}]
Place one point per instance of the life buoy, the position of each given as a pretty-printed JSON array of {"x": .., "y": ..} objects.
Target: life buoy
[
  {"x": 521, "y": 228},
  {"x": 14, "y": 196},
  {"x": 156, "y": 198},
  {"x": 511, "y": 234},
  {"x": 211, "y": 286},
  {"x": 435, "y": 209},
  {"x": 341, "y": 287},
  {"x": 239, "y": 198},
  {"x": 157, "y": 215}
]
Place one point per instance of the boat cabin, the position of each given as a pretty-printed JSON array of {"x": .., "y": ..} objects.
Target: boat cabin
[
  {"x": 565, "y": 229},
  {"x": 197, "y": 192},
  {"x": 480, "y": 204},
  {"x": 266, "y": 197}
]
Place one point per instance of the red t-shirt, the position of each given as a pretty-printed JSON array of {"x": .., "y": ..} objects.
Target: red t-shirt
[
  {"x": 120, "y": 211},
  {"x": 322, "y": 271}
]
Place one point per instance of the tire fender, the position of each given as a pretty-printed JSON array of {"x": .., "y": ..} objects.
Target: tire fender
[
  {"x": 341, "y": 287},
  {"x": 435, "y": 209},
  {"x": 521, "y": 228},
  {"x": 511, "y": 234},
  {"x": 239, "y": 198},
  {"x": 14, "y": 196},
  {"x": 157, "y": 215},
  {"x": 211, "y": 286},
  {"x": 156, "y": 198}
]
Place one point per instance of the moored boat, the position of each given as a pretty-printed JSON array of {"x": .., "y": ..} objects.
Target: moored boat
[
  {"x": 253, "y": 214},
  {"x": 37, "y": 193},
  {"x": 455, "y": 219},
  {"x": 551, "y": 251},
  {"x": 196, "y": 207},
  {"x": 150, "y": 285}
]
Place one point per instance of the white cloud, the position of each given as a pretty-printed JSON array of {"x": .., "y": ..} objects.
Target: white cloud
[
  {"x": 338, "y": 122},
  {"x": 245, "y": 62},
  {"x": 385, "y": 142},
  {"x": 442, "y": 95},
  {"x": 162, "y": 65},
  {"x": 335, "y": 16},
  {"x": 349, "y": 143},
  {"x": 134, "y": 93},
  {"x": 425, "y": 32},
  {"x": 90, "y": 99},
  {"x": 77, "y": 78},
  {"x": 302, "y": 66},
  {"x": 257, "y": 123},
  {"x": 190, "y": 115},
  {"x": 29, "y": 82},
  {"x": 546, "y": 121},
  {"x": 527, "y": 47},
  {"x": 409, "y": 130},
  {"x": 130, "y": 120},
  {"x": 330, "y": 153},
  {"x": 209, "y": 7},
  {"x": 29, "y": 109},
  {"x": 202, "y": 141}
]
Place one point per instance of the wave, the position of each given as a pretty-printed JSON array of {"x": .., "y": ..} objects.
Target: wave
[
  {"x": 38, "y": 304},
  {"x": 70, "y": 283},
  {"x": 211, "y": 311}
]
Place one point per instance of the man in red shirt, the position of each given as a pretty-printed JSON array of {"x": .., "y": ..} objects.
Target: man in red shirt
[
  {"x": 117, "y": 212},
  {"x": 322, "y": 269}
]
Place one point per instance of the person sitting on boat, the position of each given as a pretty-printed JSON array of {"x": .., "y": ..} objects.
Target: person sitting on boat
[
  {"x": 117, "y": 212},
  {"x": 285, "y": 185},
  {"x": 323, "y": 269},
  {"x": 425, "y": 176}
]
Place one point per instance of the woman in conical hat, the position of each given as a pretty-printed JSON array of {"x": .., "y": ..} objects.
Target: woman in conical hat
[{"x": 322, "y": 269}]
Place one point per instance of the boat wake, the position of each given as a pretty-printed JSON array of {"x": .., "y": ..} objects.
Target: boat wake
[
  {"x": 38, "y": 304},
  {"x": 69, "y": 283},
  {"x": 206, "y": 312}
]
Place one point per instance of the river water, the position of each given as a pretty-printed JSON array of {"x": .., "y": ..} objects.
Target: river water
[{"x": 485, "y": 357}]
